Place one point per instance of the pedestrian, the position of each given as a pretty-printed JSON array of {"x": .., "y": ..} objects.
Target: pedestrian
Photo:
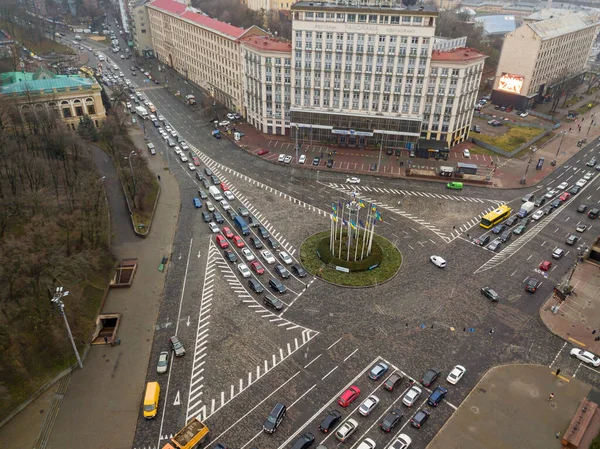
[
  {"x": 569, "y": 129},
  {"x": 557, "y": 372},
  {"x": 105, "y": 340},
  {"x": 557, "y": 435},
  {"x": 594, "y": 331},
  {"x": 453, "y": 227},
  {"x": 468, "y": 236},
  {"x": 551, "y": 396},
  {"x": 158, "y": 176},
  {"x": 491, "y": 331}
]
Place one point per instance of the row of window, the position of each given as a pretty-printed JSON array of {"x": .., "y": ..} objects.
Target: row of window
[{"x": 383, "y": 19}]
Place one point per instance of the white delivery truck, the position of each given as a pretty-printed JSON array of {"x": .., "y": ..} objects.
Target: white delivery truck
[
  {"x": 525, "y": 209},
  {"x": 215, "y": 193},
  {"x": 142, "y": 112}
]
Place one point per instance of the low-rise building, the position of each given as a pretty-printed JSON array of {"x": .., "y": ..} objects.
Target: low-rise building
[
  {"x": 267, "y": 65},
  {"x": 41, "y": 92}
]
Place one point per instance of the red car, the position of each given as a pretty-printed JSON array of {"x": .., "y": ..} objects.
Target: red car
[
  {"x": 565, "y": 196},
  {"x": 196, "y": 160},
  {"x": 227, "y": 232},
  {"x": 545, "y": 265},
  {"x": 257, "y": 267},
  {"x": 262, "y": 152},
  {"x": 224, "y": 187},
  {"x": 238, "y": 241},
  {"x": 349, "y": 396},
  {"x": 222, "y": 241}
]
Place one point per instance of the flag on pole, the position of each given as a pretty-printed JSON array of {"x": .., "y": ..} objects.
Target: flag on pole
[
  {"x": 373, "y": 208},
  {"x": 344, "y": 222},
  {"x": 361, "y": 203},
  {"x": 361, "y": 224},
  {"x": 352, "y": 224},
  {"x": 334, "y": 217},
  {"x": 334, "y": 207},
  {"x": 378, "y": 216}
]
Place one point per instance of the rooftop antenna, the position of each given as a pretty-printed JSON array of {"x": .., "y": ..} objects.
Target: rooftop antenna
[{"x": 409, "y": 3}]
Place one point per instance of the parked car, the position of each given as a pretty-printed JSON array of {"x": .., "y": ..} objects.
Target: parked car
[
  {"x": 330, "y": 421},
  {"x": 378, "y": 370},
  {"x": 456, "y": 374},
  {"x": 176, "y": 346},
  {"x": 420, "y": 418},
  {"x": 437, "y": 396}
]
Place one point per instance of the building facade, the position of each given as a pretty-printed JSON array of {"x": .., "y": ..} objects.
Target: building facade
[
  {"x": 42, "y": 92},
  {"x": 204, "y": 50},
  {"x": 538, "y": 55},
  {"x": 359, "y": 73},
  {"x": 267, "y": 68},
  {"x": 140, "y": 29}
]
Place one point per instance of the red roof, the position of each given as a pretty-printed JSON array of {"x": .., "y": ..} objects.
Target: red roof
[
  {"x": 268, "y": 43},
  {"x": 463, "y": 54},
  {"x": 180, "y": 10}
]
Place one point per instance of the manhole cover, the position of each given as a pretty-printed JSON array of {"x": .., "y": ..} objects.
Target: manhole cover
[
  {"x": 553, "y": 405},
  {"x": 483, "y": 390},
  {"x": 572, "y": 325},
  {"x": 475, "y": 409}
]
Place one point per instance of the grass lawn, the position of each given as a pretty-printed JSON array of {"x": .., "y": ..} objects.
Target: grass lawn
[
  {"x": 480, "y": 150},
  {"x": 390, "y": 265},
  {"x": 513, "y": 138},
  {"x": 583, "y": 109},
  {"x": 43, "y": 47}
]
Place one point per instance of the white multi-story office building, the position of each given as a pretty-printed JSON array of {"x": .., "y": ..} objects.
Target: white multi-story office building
[
  {"x": 360, "y": 72},
  {"x": 267, "y": 66},
  {"x": 140, "y": 28}
]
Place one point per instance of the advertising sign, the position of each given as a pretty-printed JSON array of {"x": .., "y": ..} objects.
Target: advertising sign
[{"x": 511, "y": 83}]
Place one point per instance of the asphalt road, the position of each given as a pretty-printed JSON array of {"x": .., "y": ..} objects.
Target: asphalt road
[{"x": 243, "y": 358}]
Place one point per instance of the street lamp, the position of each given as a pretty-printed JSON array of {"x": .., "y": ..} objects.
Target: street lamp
[
  {"x": 133, "y": 153},
  {"x": 562, "y": 136},
  {"x": 57, "y": 301},
  {"x": 297, "y": 147},
  {"x": 524, "y": 178},
  {"x": 380, "y": 149}
]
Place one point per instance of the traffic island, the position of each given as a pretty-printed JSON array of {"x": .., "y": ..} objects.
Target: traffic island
[{"x": 379, "y": 266}]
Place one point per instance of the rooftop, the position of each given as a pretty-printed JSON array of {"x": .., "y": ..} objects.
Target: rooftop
[
  {"x": 23, "y": 82},
  {"x": 463, "y": 54},
  {"x": 379, "y": 5},
  {"x": 559, "y": 26},
  {"x": 546, "y": 14},
  {"x": 497, "y": 24},
  {"x": 193, "y": 15},
  {"x": 268, "y": 43}
]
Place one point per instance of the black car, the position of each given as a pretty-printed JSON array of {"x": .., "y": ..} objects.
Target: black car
[
  {"x": 330, "y": 421},
  {"x": 512, "y": 220},
  {"x": 208, "y": 171},
  {"x": 263, "y": 232},
  {"x": 390, "y": 421},
  {"x": 253, "y": 222},
  {"x": 205, "y": 216},
  {"x": 528, "y": 197},
  {"x": 206, "y": 183},
  {"x": 304, "y": 441},
  {"x": 393, "y": 381},
  {"x": 256, "y": 242},
  {"x": 574, "y": 190},
  {"x": 548, "y": 209},
  {"x": 582, "y": 208},
  {"x": 231, "y": 214},
  {"x": 420, "y": 418},
  {"x": 243, "y": 211},
  {"x": 230, "y": 255},
  {"x": 255, "y": 286},
  {"x": 272, "y": 243},
  {"x": 215, "y": 180},
  {"x": 430, "y": 376},
  {"x": 531, "y": 285},
  {"x": 556, "y": 203},
  {"x": 330, "y": 163},
  {"x": 373, "y": 167},
  {"x": 490, "y": 294},
  {"x": 274, "y": 418},
  {"x": 218, "y": 217},
  {"x": 277, "y": 286},
  {"x": 539, "y": 202},
  {"x": 298, "y": 270},
  {"x": 281, "y": 271},
  {"x": 200, "y": 177},
  {"x": 273, "y": 302},
  {"x": 483, "y": 240}
]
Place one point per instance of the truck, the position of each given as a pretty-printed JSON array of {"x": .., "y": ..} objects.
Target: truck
[
  {"x": 142, "y": 112},
  {"x": 241, "y": 225},
  {"x": 191, "y": 436},
  {"x": 525, "y": 209},
  {"x": 215, "y": 193},
  {"x": 467, "y": 169}
]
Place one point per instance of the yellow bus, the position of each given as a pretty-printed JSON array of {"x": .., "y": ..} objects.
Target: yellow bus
[
  {"x": 87, "y": 72},
  {"x": 494, "y": 217}
]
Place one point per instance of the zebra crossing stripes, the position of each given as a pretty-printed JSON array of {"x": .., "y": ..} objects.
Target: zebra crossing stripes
[
  {"x": 471, "y": 223},
  {"x": 354, "y": 187}
]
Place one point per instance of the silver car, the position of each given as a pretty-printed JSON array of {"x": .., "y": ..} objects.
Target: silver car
[
  {"x": 163, "y": 362},
  {"x": 411, "y": 396},
  {"x": 213, "y": 227},
  {"x": 368, "y": 405}
]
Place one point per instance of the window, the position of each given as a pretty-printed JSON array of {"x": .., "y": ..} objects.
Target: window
[
  {"x": 405, "y": 20},
  {"x": 395, "y": 20},
  {"x": 362, "y": 18},
  {"x": 372, "y": 18},
  {"x": 384, "y": 19},
  {"x": 351, "y": 17}
]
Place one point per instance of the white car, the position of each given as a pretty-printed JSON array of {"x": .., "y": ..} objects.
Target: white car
[
  {"x": 213, "y": 227},
  {"x": 302, "y": 159},
  {"x": 368, "y": 443},
  {"x": 281, "y": 158},
  {"x": 231, "y": 116},
  {"x": 353, "y": 180},
  {"x": 456, "y": 374},
  {"x": 244, "y": 270},
  {"x": 227, "y": 194},
  {"x": 183, "y": 157},
  {"x": 173, "y": 133},
  {"x": 550, "y": 193},
  {"x": 466, "y": 153},
  {"x": 402, "y": 442},
  {"x": 368, "y": 405},
  {"x": 163, "y": 362},
  {"x": 581, "y": 182},
  {"x": 538, "y": 214},
  {"x": 588, "y": 176},
  {"x": 287, "y": 159},
  {"x": 562, "y": 185},
  {"x": 411, "y": 396},
  {"x": 224, "y": 123},
  {"x": 248, "y": 255},
  {"x": 210, "y": 206},
  {"x": 160, "y": 118},
  {"x": 225, "y": 205},
  {"x": 191, "y": 166},
  {"x": 524, "y": 114},
  {"x": 268, "y": 256},
  {"x": 586, "y": 357},
  {"x": 285, "y": 257},
  {"x": 168, "y": 128},
  {"x": 438, "y": 261}
]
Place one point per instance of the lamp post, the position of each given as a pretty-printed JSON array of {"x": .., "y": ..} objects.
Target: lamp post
[
  {"x": 133, "y": 153},
  {"x": 297, "y": 147},
  {"x": 562, "y": 136},
  {"x": 524, "y": 178},
  {"x": 57, "y": 301},
  {"x": 380, "y": 150}
]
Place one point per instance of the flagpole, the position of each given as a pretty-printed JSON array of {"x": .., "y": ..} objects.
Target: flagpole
[
  {"x": 365, "y": 231},
  {"x": 371, "y": 239},
  {"x": 349, "y": 238},
  {"x": 331, "y": 232},
  {"x": 357, "y": 233},
  {"x": 341, "y": 232}
]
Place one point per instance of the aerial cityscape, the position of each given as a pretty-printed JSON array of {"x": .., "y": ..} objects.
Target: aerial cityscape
[{"x": 264, "y": 224}]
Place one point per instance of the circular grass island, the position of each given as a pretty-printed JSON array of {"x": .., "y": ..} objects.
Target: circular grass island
[{"x": 380, "y": 266}]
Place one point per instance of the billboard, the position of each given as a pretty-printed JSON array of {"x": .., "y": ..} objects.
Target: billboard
[{"x": 511, "y": 83}]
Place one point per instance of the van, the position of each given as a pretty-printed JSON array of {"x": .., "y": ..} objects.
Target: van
[
  {"x": 455, "y": 185},
  {"x": 151, "y": 400},
  {"x": 241, "y": 225},
  {"x": 215, "y": 193},
  {"x": 151, "y": 148},
  {"x": 593, "y": 213}
]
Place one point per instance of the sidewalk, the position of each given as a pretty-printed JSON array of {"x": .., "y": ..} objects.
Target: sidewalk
[
  {"x": 508, "y": 173},
  {"x": 579, "y": 315},
  {"x": 102, "y": 403}
]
